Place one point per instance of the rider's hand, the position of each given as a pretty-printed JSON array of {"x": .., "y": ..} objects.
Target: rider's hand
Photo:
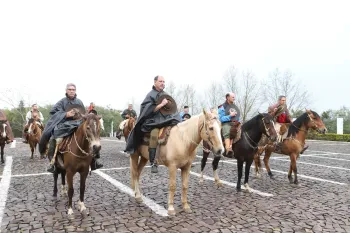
[
  {"x": 164, "y": 102},
  {"x": 233, "y": 114},
  {"x": 275, "y": 109},
  {"x": 71, "y": 113}
]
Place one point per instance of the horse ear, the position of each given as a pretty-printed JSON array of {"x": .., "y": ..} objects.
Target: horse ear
[
  {"x": 260, "y": 114},
  {"x": 99, "y": 117},
  {"x": 308, "y": 110},
  {"x": 205, "y": 113}
]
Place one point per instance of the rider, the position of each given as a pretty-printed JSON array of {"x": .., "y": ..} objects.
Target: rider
[
  {"x": 28, "y": 117},
  {"x": 185, "y": 112},
  {"x": 127, "y": 113},
  {"x": 8, "y": 129},
  {"x": 61, "y": 124},
  {"x": 281, "y": 114},
  {"x": 229, "y": 113},
  {"x": 150, "y": 120}
]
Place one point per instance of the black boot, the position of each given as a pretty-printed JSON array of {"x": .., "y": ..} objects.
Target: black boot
[
  {"x": 152, "y": 156},
  {"x": 95, "y": 164},
  {"x": 50, "y": 154}
]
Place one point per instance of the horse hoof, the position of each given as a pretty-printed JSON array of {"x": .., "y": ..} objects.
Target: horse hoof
[
  {"x": 81, "y": 207},
  {"x": 138, "y": 199},
  {"x": 219, "y": 184},
  {"x": 70, "y": 211},
  {"x": 2, "y": 161},
  {"x": 171, "y": 212},
  {"x": 54, "y": 195},
  {"x": 188, "y": 210},
  {"x": 247, "y": 188},
  {"x": 239, "y": 189}
]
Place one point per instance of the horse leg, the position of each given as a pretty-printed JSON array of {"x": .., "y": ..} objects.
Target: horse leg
[
  {"x": 31, "y": 149},
  {"x": 134, "y": 161},
  {"x": 172, "y": 188},
  {"x": 55, "y": 177},
  {"x": 215, "y": 167},
  {"x": 248, "y": 164},
  {"x": 63, "y": 184},
  {"x": 185, "y": 171},
  {"x": 266, "y": 162},
  {"x": 2, "y": 153},
  {"x": 81, "y": 205},
  {"x": 240, "y": 171},
  {"x": 70, "y": 191},
  {"x": 203, "y": 162},
  {"x": 293, "y": 158},
  {"x": 142, "y": 163}
]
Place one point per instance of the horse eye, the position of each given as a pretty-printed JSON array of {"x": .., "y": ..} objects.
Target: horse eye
[
  {"x": 211, "y": 128},
  {"x": 88, "y": 127}
]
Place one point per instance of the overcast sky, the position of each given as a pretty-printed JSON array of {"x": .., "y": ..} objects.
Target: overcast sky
[{"x": 46, "y": 44}]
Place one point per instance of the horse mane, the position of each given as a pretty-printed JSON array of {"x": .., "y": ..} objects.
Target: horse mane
[
  {"x": 251, "y": 123},
  {"x": 185, "y": 128},
  {"x": 298, "y": 123}
]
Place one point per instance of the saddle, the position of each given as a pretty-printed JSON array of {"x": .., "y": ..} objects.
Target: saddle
[
  {"x": 235, "y": 131},
  {"x": 162, "y": 136},
  {"x": 282, "y": 131}
]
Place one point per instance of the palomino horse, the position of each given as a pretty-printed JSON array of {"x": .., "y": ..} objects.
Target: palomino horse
[
  {"x": 245, "y": 148},
  {"x": 129, "y": 125},
  {"x": 34, "y": 135},
  {"x": 2, "y": 139},
  {"x": 294, "y": 143},
  {"x": 82, "y": 146},
  {"x": 179, "y": 152}
]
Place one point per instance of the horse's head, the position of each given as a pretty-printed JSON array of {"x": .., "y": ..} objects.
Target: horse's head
[
  {"x": 267, "y": 126},
  {"x": 315, "y": 122},
  {"x": 92, "y": 127},
  {"x": 131, "y": 123},
  {"x": 211, "y": 132},
  {"x": 3, "y": 129},
  {"x": 33, "y": 127}
]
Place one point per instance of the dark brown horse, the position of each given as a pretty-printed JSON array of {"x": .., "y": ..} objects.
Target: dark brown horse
[
  {"x": 130, "y": 124},
  {"x": 245, "y": 148},
  {"x": 2, "y": 139},
  {"x": 34, "y": 134},
  {"x": 82, "y": 146},
  {"x": 294, "y": 143}
]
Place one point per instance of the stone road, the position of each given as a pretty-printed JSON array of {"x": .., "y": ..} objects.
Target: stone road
[{"x": 319, "y": 204}]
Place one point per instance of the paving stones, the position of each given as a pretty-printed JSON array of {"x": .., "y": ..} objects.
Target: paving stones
[{"x": 314, "y": 206}]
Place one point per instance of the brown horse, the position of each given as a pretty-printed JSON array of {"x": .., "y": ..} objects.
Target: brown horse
[
  {"x": 2, "y": 139},
  {"x": 34, "y": 135},
  {"x": 179, "y": 152},
  {"x": 130, "y": 124},
  {"x": 294, "y": 143},
  {"x": 81, "y": 147}
]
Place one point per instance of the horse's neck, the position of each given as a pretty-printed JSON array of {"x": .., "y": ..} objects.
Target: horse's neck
[
  {"x": 82, "y": 140},
  {"x": 191, "y": 139},
  {"x": 302, "y": 133},
  {"x": 253, "y": 134}
]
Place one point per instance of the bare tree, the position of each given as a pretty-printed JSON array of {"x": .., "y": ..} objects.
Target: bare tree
[
  {"x": 248, "y": 95},
  {"x": 215, "y": 94},
  {"x": 12, "y": 98},
  {"x": 230, "y": 79},
  {"x": 284, "y": 84},
  {"x": 187, "y": 96}
]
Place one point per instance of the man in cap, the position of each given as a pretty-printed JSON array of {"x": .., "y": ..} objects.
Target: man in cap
[{"x": 157, "y": 110}]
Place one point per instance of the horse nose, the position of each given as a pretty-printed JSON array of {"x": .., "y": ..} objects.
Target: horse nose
[{"x": 96, "y": 147}]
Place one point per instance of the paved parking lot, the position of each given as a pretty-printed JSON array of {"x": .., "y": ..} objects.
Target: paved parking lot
[{"x": 319, "y": 204}]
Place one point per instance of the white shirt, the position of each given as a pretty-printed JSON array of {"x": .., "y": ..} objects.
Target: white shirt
[{"x": 29, "y": 116}]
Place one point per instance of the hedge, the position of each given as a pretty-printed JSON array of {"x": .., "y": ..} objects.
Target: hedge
[{"x": 329, "y": 137}]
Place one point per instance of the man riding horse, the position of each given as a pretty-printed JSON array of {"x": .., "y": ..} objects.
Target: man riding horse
[
  {"x": 29, "y": 116},
  {"x": 282, "y": 116},
  {"x": 229, "y": 115},
  {"x": 152, "y": 118},
  {"x": 127, "y": 113},
  {"x": 61, "y": 124}
]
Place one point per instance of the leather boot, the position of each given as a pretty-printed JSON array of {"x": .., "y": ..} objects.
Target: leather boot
[
  {"x": 152, "y": 156},
  {"x": 50, "y": 154}
]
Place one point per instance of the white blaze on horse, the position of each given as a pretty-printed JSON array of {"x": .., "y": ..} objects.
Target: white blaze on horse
[{"x": 179, "y": 152}]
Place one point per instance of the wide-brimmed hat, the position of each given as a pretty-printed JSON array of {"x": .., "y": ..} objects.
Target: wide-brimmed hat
[{"x": 170, "y": 107}]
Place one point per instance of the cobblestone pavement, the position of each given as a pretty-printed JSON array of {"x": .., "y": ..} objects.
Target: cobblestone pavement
[{"x": 319, "y": 204}]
